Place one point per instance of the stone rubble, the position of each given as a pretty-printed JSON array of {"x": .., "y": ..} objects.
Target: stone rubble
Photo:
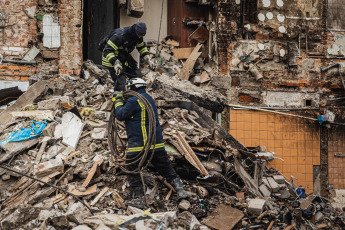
[{"x": 76, "y": 157}]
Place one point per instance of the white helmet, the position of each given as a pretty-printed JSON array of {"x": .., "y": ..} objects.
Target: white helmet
[{"x": 135, "y": 83}]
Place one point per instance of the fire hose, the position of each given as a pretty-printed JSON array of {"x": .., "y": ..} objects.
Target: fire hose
[{"x": 142, "y": 158}]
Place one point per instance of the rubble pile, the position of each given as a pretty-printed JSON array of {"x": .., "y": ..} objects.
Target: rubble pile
[{"x": 57, "y": 132}]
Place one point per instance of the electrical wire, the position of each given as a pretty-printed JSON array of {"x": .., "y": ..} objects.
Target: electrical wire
[
  {"x": 142, "y": 158},
  {"x": 51, "y": 185}
]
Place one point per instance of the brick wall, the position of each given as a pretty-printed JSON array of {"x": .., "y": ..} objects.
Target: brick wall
[
  {"x": 16, "y": 73},
  {"x": 70, "y": 20},
  {"x": 227, "y": 20},
  {"x": 20, "y": 29},
  {"x": 22, "y": 32}
]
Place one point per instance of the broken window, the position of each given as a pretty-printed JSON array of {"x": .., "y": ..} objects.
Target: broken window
[
  {"x": 335, "y": 15},
  {"x": 250, "y": 11}
]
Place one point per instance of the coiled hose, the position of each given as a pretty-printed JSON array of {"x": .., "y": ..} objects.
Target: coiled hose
[{"x": 113, "y": 135}]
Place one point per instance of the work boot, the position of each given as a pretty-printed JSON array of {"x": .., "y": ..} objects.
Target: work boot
[
  {"x": 138, "y": 198},
  {"x": 178, "y": 185}
]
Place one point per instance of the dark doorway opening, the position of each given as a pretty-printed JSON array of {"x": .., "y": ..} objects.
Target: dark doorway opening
[{"x": 100, "y": 18}]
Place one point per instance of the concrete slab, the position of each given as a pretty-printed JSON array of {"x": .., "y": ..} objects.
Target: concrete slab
[{"x": 223, "y": 217}]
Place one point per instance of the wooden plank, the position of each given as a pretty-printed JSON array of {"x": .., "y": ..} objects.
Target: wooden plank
[
  {"x": 247, "y": 179},
  {"x": 40, "y": 152},
  {"x": 92, "y": 173},
  {"x": 201, "y": 167},
  {"x": 189, "y": 64},
  {"x": 182, "y": 149},
  {"x": 290, "y": 227},
  {"x": 270, "y": 226},
  {"x": 71, "y": 155},
  {"x": 118, "y": 199},
  {"x": 168, "y": 195},
  {"x": 88, "y": 191},
  {"x": 104, "y": 190},
  {"x": 223, "y": 217},
  {"x": 182, "y": 53}
]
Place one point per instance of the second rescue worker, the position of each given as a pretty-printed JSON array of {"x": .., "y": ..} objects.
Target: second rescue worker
[{"x": 116, "y": 54}]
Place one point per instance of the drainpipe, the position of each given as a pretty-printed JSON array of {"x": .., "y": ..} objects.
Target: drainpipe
[
  {"x": 16, "y": 61},
  {"x": 339, "y": 69}
]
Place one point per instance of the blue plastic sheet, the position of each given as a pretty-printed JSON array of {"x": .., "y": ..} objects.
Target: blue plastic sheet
[{"x": 22, "y": 134}]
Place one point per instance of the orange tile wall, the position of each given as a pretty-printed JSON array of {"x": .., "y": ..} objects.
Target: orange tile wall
[
  {"x": 336, "y": 144},
  {"x": 295, "y": 140}
]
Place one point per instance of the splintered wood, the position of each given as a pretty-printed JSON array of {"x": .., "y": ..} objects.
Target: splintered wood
[
  {"x": 189, "y": 64},
  {"x": 92, "y": 172},
  {"x": 189, "y": 154},
  {"x": 104, "y": 190},
  {"x": 118, "y": 199},
  {"x": 88, "y": 191}
]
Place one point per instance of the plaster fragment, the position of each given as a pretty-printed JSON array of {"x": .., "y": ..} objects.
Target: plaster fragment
[
  {"x": 280, "y": 3},
  {"x": 247, "y": 26},
  {"x": 333, "y": 49},
  {"x": 261, "y": 17},
  {"x": 51, "y": 31},
  {"x": 266, "y": 3},
  {"x": 280, "y": 17},
  {"x": 238, "y": 2},
  {"x": 269, "y": 15},
  {"x": 261, "y": 46},
  {"x": 282, "y": 52},
  {"x": 282, "y": 29}
]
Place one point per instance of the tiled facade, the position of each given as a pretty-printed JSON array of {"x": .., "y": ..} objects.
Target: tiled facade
[
  {"x": 295, "y": 140},
  {"x": 336, "y": 158}
]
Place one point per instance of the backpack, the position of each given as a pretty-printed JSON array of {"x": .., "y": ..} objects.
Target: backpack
[{"x": 105, "y": 39}]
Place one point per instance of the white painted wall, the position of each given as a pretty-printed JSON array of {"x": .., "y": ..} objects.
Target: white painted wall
[{"x": 151, "y": 16}]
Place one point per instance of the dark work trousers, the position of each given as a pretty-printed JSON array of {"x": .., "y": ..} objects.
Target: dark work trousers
[
  {"x": 161, "y": 164},
  {"x": 120, "y": 81}
]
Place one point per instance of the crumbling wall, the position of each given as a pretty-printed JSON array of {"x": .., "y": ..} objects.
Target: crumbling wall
[
  {"x": 17, "y": 31},
  {"x": 278, "y": 60},
  {"x": 228, "y": 15},
  {"x": 70, "y": 19},
  {"x": 46, "y": 34}
]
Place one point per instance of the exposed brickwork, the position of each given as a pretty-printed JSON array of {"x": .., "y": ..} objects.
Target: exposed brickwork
[
  {"x": 16, "y": 73},
  {"x": 19, "y": 30},
  {"x": 227, "y": 20},
  {"x": 70, "y": 20}
]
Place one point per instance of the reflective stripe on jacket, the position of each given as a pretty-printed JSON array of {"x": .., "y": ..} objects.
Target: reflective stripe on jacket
[{"x": 134, "y": 113}]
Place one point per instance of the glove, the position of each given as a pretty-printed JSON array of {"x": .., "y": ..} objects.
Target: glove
[
  {"x": 118, "y": 98},
  {"x": 117, "y": 67},
  {"x": 150, "y": 62}
]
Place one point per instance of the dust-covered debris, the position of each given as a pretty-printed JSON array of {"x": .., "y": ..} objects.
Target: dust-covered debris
[{"x": 232, "y": 186}]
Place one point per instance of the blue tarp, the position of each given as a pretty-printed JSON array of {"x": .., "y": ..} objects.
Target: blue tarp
[{"x": 27, "y": 133}]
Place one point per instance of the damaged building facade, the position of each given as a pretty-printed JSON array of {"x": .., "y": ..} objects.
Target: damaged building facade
[{"x": 270, "y": 54}]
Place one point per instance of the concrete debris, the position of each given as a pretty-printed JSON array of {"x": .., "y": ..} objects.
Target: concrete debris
[
  {"x": 233, "y": 187},
  {"x": 224, "y": 217},
  {"x": 48, "y": 167},
  {"x": 184, "y": 205},
  {"x": 70, "y": 129},
  {"x": 256, "y": 206}
]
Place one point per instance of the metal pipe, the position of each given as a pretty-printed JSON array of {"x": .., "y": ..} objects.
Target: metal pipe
[
  {"x": 329, "y": 67},
  {"x": 51, "y": 185},
  {"x": 19, "y": 62},
  {"x": 16, "y": 61}
]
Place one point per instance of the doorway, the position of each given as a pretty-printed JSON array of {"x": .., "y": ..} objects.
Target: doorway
[{"x": 100, "y": 18}]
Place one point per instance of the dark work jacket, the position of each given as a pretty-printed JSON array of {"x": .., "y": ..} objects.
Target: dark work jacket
[
  {"x": 134, "y": 113},
  {"x": 120, "y": 45}
]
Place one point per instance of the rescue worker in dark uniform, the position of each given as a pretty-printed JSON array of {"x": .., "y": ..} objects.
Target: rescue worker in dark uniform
[
  {"x": 134, "y": 114},
  {"x": 116, "y": 54}
]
